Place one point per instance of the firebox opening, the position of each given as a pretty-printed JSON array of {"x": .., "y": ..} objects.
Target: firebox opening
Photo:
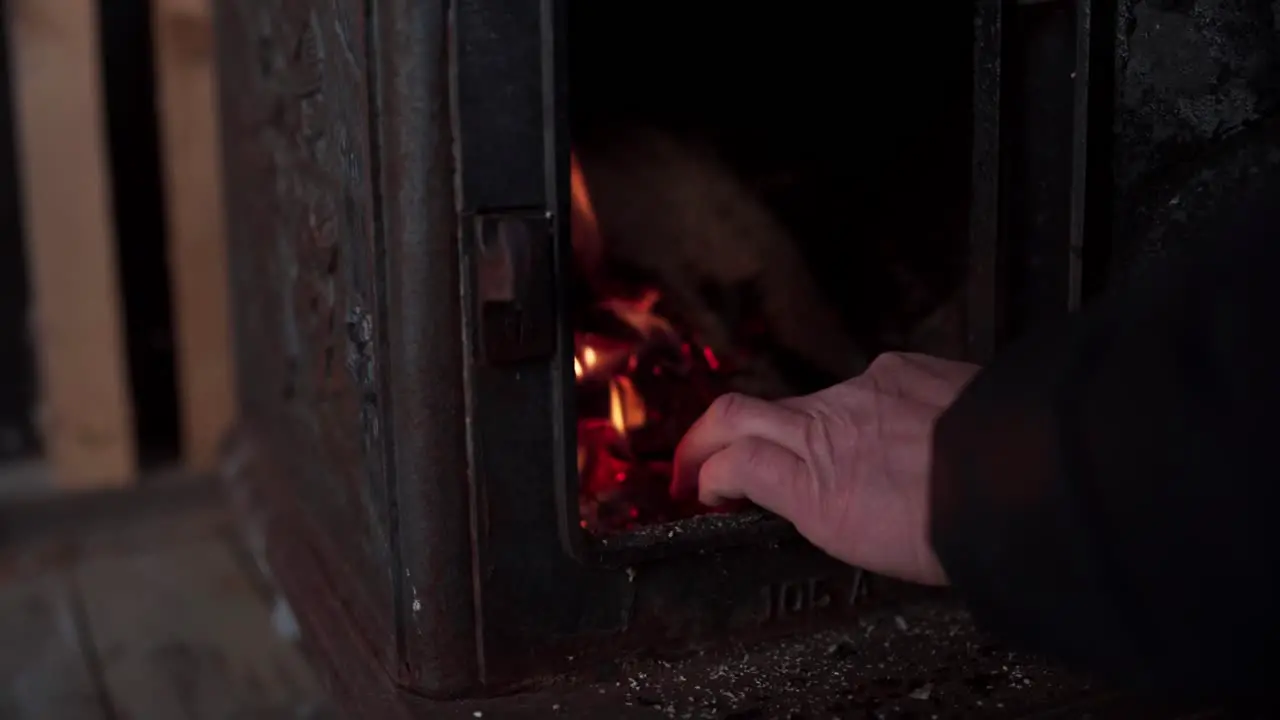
[{"x": 763, "y": 201}]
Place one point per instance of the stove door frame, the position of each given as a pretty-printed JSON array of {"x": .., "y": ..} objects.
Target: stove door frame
[
  {"x": 1043, "y": 185},
  {"x": 545, "y": 601}
]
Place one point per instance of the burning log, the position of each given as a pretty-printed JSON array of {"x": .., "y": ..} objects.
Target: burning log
[{"x": 674, "y": 212}]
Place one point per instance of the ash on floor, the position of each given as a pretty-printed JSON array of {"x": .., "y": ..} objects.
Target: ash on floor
[{"x": 924, "y": 660}]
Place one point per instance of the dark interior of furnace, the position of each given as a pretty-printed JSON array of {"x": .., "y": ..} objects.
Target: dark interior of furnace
[{"x": 763, "y": 200}]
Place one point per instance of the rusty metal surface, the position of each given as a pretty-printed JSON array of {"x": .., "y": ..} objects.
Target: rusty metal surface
[
  {"x": 1111, "y": 110},
  {"x": 1187, "y": 74},
  {"x": 305, "y": 288},
  {"x": 985, "y": 293},
  {"x": 1054, "y": 185},
  {"x": 1197, "y": 101},
  {"x": 345, "y": 283},
  {"x": 424, "y": 347}
]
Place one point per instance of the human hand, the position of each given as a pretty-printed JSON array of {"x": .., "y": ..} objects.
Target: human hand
[{"x": 848, "y": 466}]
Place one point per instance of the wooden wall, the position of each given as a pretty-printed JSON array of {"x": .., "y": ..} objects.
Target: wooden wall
[
  {"x": 93, "y": 272},
  {"x": 186, "y": 80}
]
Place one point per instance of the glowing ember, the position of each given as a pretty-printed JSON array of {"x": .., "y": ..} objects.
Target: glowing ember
[{"x": 641, "y": 384}]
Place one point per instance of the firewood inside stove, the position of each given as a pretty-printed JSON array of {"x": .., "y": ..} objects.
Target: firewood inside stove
[{"x": 671, "y": 210}]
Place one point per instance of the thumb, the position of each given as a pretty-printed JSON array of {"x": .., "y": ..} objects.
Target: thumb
[{"x": 758, "y": 470}]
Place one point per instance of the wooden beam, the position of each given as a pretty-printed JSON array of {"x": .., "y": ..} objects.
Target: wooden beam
[
  {"x": 186, "y": 81},
  {"x": 85, "y": 407}
]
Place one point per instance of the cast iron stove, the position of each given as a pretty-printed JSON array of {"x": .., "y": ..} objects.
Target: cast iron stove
[{"x": 408, "y": 319}]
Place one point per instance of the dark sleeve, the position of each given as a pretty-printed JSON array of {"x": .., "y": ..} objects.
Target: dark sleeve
[{"x": 1104, "y": 493}]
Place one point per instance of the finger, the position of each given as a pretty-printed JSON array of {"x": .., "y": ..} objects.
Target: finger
[
  {"x": 758, "y": 470},
  {"x": 730, "y": 418}
]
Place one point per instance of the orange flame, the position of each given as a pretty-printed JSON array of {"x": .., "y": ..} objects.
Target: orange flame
[
  {"x": 586, "y": 362},
  {"x": 581, "y": 197},
  {"x": 626, "y": 407},
  {"x": 588, "y": 244},
  {"x": 639, "y": 314}
]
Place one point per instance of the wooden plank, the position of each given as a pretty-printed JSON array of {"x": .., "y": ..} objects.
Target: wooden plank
[
  {"x": 183, "y": 635},
  {"x": 58, "y": 531},
  {"x": 44, "y": 673},
  {"x": 186, "y": 81},
  {"x": 86, "y": 411}
]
